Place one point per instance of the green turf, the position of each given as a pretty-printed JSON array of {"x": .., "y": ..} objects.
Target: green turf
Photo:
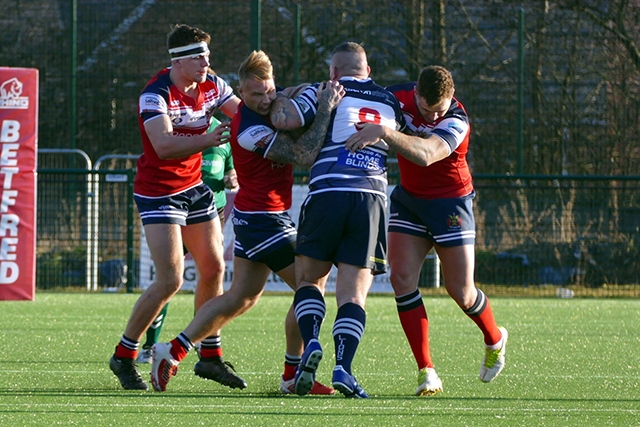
[{"x": 570, "y": 362}]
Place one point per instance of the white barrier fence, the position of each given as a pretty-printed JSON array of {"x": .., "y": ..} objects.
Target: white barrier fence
[{"x": 381, "y": 283}]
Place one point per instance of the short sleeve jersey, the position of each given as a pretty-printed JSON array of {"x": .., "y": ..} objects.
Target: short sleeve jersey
[
  {"x": 158, "y": 177},
  {"x": 337, "y": 169},
  {"x": 449, "y": 177},
  {"x": 265, "y": 186}
]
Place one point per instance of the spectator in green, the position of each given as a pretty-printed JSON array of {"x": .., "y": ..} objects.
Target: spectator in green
[{"x": 218, "y": 173}]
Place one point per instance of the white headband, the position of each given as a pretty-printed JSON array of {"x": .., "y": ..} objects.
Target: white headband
[{"x": 189, "y": 51}]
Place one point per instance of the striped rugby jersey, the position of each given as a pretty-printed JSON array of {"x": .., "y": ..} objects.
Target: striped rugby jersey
[{"x": 335, "y": 168}]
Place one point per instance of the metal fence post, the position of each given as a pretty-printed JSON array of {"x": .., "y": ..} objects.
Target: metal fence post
[
  {"x": 130, "y": 270},
  {"x": 96, "y": 203},
  {"x": 434, "y": 280},
  {"x": 89, "y": 207}
]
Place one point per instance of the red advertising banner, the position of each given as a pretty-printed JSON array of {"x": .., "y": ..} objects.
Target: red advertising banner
[{"x": 18, "y": 163}]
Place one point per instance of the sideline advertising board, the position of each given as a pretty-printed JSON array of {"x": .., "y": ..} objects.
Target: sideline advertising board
[
  {"x": 380, "y": 284},
  {"x": 18, "y": 168}
]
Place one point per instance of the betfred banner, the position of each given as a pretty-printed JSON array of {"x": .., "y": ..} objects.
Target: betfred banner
[{"x": 18, "y": 163}]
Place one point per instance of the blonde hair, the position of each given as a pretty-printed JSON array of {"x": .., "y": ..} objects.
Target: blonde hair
[{"x": 256, "y": 65}]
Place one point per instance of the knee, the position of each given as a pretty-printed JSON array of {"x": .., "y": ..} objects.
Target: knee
[
  {"x": 246, "y": 303},
  {"x": 465, "y": 298},
  {"x": 212, "y": 272},
  {"x": 217, "y": 267},
  {"x": 166, "y": 288},
  {"x": 402, "y": 282}
]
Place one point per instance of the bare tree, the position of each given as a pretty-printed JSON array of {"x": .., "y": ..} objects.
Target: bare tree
[
  {"x": 439, "y": 33},
  {"x": 619, "y": 18}
]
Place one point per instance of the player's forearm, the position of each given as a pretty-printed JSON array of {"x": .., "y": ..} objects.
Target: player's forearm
[
  {"x": 421, "y": 151},
  {"x": 304, "y": 150},
  {"x": 170, "y": 146},
  {"x": 307, "y": 147},
  {"x": 284, "y": 115},
  {"x": 177, "y": 147}
]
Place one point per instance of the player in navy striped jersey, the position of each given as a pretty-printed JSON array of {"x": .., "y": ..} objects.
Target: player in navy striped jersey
[
  {"x": 176, "y": 207},
  {"x": 432, "y": 208},
  {"x": 342, "y": 221}
]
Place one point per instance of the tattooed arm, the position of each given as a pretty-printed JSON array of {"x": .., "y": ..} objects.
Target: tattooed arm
[
  {"x": 305, "y": 149},
  {"x": 284, "y": 115},
  {"x": 283, "y": 112}
]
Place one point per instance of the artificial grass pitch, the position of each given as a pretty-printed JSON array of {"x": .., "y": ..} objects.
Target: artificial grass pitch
[{"x": 570, "y": 362}]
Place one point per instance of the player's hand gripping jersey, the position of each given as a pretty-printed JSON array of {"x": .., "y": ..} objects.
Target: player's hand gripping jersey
[
  {"x": 337, "y": 169},
  {"x": 449, "y": 177},
  {"x": 162, "y": 177}
]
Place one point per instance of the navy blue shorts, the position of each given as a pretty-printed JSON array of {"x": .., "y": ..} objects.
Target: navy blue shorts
[
  {"x": 348, "y": 227},
  {"x": 191, "y": 206},
  {"x": 261, "y": 235},
  {"x": 446, "y": 222}
]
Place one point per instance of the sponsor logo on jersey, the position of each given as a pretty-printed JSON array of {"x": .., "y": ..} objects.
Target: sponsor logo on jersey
[
  {"x": 176, "y": 133},
  {"x": 262, "y": 143},
  {"x": 362, "y": 159},
  {"x": 10, "y": 98},
  {"x": 196, "y": 118},
  {"x": 150, "y": 100},
  {"x": 255, "y": 131}
]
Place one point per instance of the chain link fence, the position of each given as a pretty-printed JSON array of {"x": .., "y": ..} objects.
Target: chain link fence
[
  {"x": 535, "y": 235},
  {"x": 552, "y": 90}
]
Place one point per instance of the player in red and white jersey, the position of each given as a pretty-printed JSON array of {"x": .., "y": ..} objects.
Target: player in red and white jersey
[
  {"x": 450, "y": 176},
  {"x": 175, "y": 206},
  {"x": 267, "y": 183},
  {"x": 432, "y": 208},
  {"x": 265, "y": 234},
  {"x": 189, "y": 116}
]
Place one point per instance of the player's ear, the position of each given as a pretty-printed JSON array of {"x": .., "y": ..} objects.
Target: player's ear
[{"x": 333, "y": 73}]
